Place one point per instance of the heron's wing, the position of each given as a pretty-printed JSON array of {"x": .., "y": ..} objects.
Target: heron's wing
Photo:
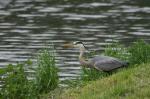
[{"x": 108, "y": 64}]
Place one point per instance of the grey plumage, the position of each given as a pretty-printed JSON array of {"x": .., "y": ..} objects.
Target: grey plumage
[{"x": 106, "y": 63}]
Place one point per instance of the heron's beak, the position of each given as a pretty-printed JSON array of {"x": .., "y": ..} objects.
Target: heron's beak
[{"x": 69, "y": 45}]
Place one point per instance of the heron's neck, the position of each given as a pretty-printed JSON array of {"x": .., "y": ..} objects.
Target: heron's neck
[
  {"x": 82, "y": 59},
  {"x": 81, "y": 54}
]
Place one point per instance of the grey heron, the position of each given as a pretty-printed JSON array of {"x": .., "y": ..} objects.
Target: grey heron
[{"x": 101, "y": 63}]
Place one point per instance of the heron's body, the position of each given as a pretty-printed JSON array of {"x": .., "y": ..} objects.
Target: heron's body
[
  {"x": 106, "y": 63},
  {"x": 102, "y": 63}
]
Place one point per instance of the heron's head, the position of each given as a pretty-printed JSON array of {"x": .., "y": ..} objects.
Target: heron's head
[
  {"x": 80, "y": 45},
  {"x": 77, "y": 44}
]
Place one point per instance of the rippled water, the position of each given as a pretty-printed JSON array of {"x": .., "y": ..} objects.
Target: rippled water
[{"x": 26, "y": 25}]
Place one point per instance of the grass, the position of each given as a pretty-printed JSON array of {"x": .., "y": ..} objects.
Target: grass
[
  {"x": 16, "y": 84},
  {"x": 117, "y": 50},
  {"x": 46, "y": 74},
  {"x": 92, "y": 74},
  {"x": 139, "y": 52},
  {"x": 132, "y": 83}
]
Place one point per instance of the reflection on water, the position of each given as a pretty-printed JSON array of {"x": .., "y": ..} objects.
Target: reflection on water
[{"x": 25, "y": 26}]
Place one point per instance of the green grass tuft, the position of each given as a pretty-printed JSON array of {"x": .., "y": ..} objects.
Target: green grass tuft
[
  {"x": 46, "y": 74},
  {"x": 136, "y": 53},
  {"x": 117, "y": 50},
  {"x": 92, "y": 74},
  {"x": 139, "y": 52}
]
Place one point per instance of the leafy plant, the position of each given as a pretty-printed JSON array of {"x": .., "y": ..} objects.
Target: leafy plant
[{"x": 16, "y": 84}]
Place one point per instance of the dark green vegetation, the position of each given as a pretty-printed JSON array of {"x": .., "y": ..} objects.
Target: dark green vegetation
[
  {"x": 17, "y": 84},
  {"x": 139, "y": 53}
]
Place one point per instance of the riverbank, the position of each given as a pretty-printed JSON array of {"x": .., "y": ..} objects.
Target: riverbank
[{"x": 130, "y": 83}]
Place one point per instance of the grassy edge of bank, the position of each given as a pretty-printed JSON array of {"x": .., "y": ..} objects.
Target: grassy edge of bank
[{"x": 131, "y": 83}]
